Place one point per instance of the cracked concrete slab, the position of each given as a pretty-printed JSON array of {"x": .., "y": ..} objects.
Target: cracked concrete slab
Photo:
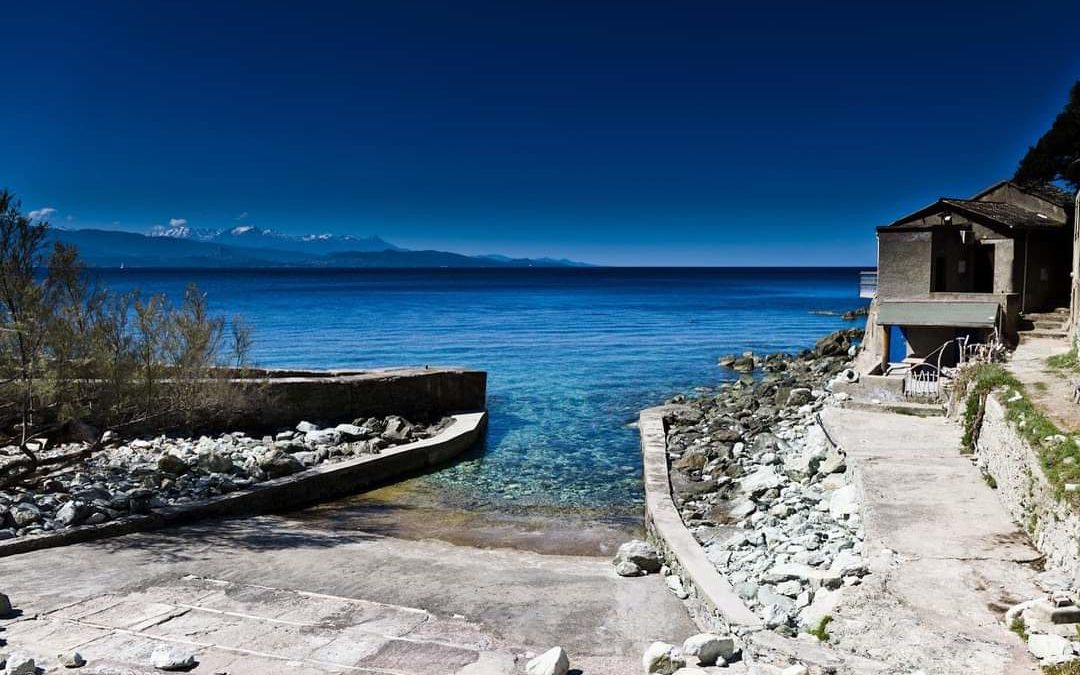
[
  {"x": 269, "y": 595},
  {"x": 946, "y": 559}
]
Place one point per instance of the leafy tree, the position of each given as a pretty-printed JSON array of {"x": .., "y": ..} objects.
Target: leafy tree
[
  {"x": 21, "y": 309},
  {"x": 1049, "y": 160},
  {"x": 75, "y": 358}
]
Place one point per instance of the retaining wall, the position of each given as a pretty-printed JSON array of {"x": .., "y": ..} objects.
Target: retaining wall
[
  {"x": 713, "y": 602},
  {"x": 1024, "y": 490}
]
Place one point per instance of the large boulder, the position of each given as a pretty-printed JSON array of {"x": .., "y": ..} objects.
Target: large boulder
[
  {"x": 397, "y": 429},
  {"x": 18, "y": 664},
  {"x": 71, "y": 659},
  {"x": 173, "y": 658},
  {"x": 640, "y": 554},
  {"x": 172, "y": 464},
  {"x": 1050, "y": 648},
  {"x": 71, "y": 513},
  {"x": 552, "y": 662},
  {"x": 323, "y": 437},
  {"x": 709, "y": 648},
  {"x": 662, "y": 658},
  {"x": 214, "y": 461},
  {"x": 277, "y": 464},
  {"x": 844, "y": 502},
  {"x": 761, "y": 480},
  {"x": 351, "y": 432},
  {"x": 24, "y": 514}
]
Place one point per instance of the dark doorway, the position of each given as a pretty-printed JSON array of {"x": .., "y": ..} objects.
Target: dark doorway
[
  {"x": 940, "y": 274},
  {"x": 984, "y": 269}
]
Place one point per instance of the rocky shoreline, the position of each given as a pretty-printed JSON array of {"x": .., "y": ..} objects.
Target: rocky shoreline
[
  {"x": 135, "y": 476},
  {"x": 765, "y": 492}
]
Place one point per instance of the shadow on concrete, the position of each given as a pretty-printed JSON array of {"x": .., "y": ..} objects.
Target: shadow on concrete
[{"x": 257, "y": 533}]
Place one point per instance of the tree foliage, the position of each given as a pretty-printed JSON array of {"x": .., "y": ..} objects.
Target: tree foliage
[
  {"x": 74, "y": 355},
  {"x": 1049, "y": 160}
]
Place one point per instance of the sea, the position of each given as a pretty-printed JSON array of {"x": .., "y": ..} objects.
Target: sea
[{"x": 572, "y": 355}]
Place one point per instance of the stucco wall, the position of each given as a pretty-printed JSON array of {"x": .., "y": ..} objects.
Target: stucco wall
[{"x": 903, "y": 264}]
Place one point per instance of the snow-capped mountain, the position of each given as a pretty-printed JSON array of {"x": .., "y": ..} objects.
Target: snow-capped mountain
[{"x": 254, "y": 237}]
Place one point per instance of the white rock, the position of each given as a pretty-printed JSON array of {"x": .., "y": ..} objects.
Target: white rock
[
  {"x": 71, "y": 659},
  {"x": 323, "y": 437},
  {"x": 761, "y": 480},
  {"x": 1053, "y": 648},
  {"x": 552, "y": 662},
  {"x": 172, "y": 658},
  {"x": 641, "y": 553},
  {"x": 844, "y": 502},
  {"x": 710, "y": 648},
  {"x": 662, "y": 658},
  {"x": 797, "y": 669},
  {"x": 351, "y": 431},
  {"x": 17, "y": 664},
  {"x": 676, "y": 585},
  {"x": 305, "y": 427}
]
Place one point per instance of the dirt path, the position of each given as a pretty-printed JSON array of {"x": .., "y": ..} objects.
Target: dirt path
[
  {"x": 1050, "y": 389},
  {"x": 946, "y": 560}
]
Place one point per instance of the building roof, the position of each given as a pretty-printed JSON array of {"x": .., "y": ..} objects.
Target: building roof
[
  {"x": 1000, "y": 213},
  {"x": 958, "y": 314},
  {"x": 1007, "y": 214}
]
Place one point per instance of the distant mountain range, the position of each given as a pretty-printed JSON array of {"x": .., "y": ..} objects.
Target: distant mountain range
[{"x": 245, "y": 246}]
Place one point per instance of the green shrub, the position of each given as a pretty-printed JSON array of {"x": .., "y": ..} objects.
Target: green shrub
[
  {"x": 821, "y": 631},
  {"x": 1019, "y": 627}
]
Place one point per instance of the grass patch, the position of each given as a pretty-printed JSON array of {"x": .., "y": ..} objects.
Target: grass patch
[
  {"x": 1066, "y": 361},
  {"x": 1070, "y": 668},
  {"x": 990, "y": 480},
  {"x": 821, "y": 631},
  {"x": 1040, "y": 387},
  {"x": 1020, "y": 628},
  {"x": 1058, "y": 453}
]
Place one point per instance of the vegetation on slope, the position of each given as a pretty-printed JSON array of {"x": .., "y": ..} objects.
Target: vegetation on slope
[{"x": 1058, "y": 453}]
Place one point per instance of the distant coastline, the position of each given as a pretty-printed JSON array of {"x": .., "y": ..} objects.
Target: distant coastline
[{"x": 245, "y": 250}]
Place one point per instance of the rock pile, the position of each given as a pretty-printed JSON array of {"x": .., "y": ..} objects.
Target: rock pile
[
  {"x": 763, "y": 490},
  {"x": 136, "y": 476}
]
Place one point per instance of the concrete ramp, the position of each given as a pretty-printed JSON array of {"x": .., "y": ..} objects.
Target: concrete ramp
[{"x": 945, "y": 557}]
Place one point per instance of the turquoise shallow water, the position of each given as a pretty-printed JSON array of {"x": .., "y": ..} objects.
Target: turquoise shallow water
[{"x": 571, "y": 354}]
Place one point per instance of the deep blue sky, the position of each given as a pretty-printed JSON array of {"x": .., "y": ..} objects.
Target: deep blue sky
[{"x": 704, "y": 133}]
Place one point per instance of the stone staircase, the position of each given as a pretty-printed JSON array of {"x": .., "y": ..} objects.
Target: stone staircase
[{"x": 1052, "y": 324}]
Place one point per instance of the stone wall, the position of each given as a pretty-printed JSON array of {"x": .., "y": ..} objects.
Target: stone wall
[
  {"x": 1013, "y": 466},
  {"x": 330, "y": 397}
]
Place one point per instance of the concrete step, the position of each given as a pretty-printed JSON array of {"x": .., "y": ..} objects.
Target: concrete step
[
  {"x": 1042, "y": 333},
  {"x": 899, "y": 407}
]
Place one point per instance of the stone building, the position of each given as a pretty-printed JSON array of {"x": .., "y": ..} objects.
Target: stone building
[{"x": 970, "y": 268}]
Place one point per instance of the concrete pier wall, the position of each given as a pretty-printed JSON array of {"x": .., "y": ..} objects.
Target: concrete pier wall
[{"x": 327, "y": 397}]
